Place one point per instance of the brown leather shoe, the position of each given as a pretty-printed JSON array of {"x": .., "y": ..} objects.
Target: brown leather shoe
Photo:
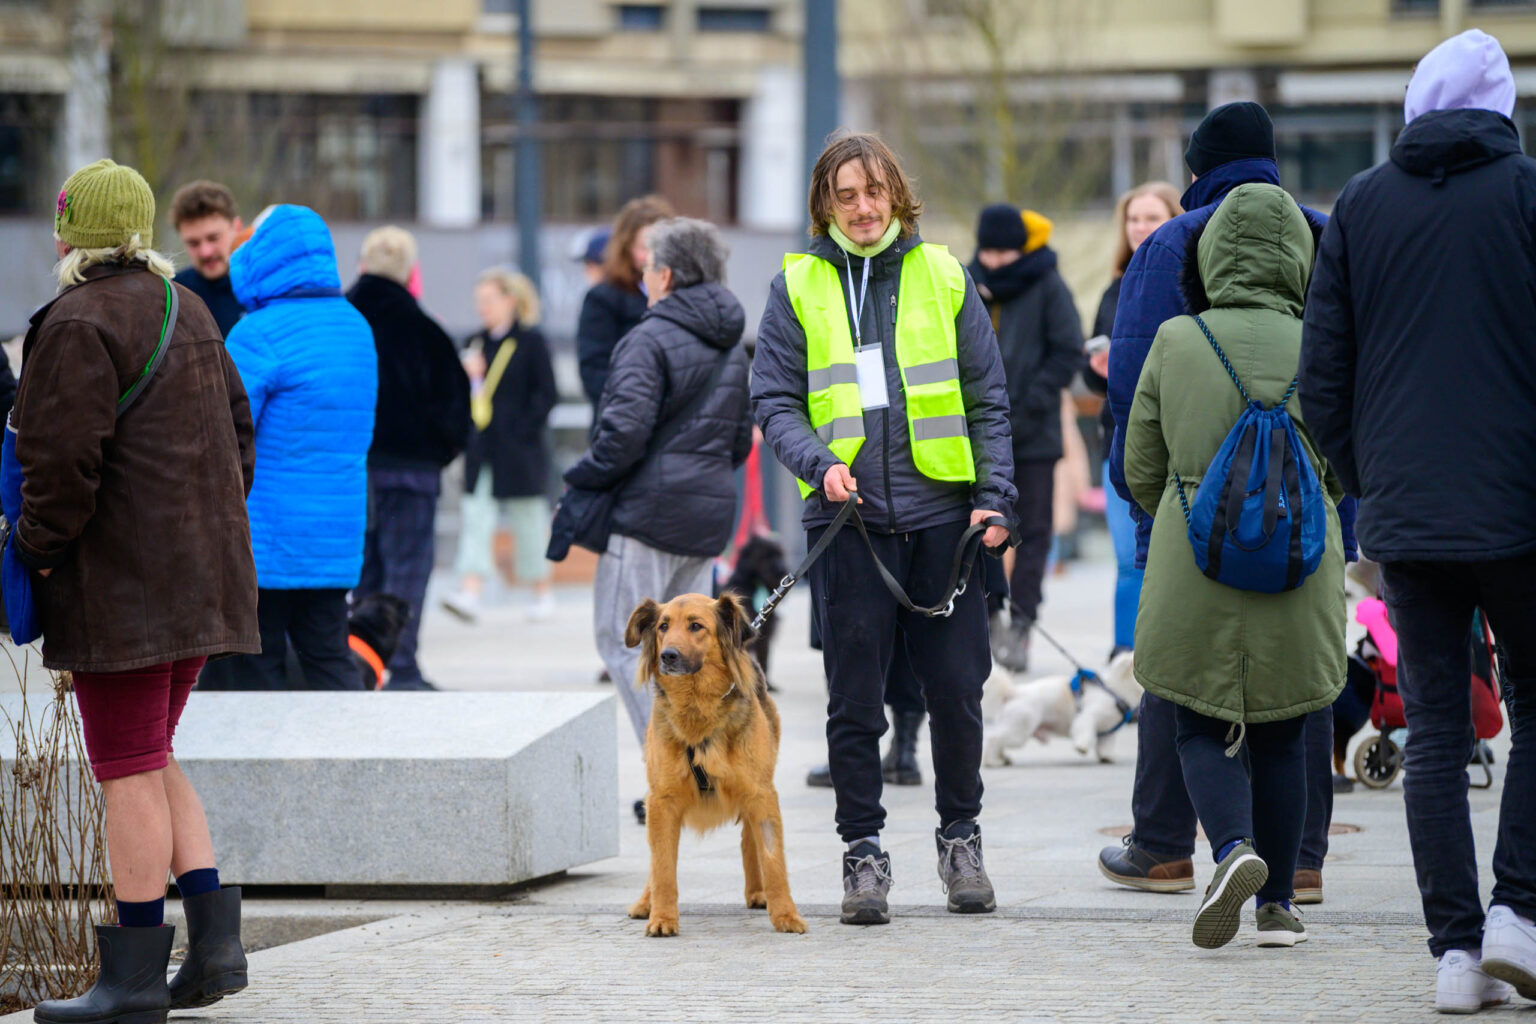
[
  {"x": 1308, "y": 886},
  {"x": 1130, "y": 865}
]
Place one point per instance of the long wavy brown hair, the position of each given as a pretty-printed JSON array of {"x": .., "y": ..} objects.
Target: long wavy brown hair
[
  {"x": 879, "y": 163},
  {"x": 1164, "y": 191},
  {"x": 635, "y": 216}
]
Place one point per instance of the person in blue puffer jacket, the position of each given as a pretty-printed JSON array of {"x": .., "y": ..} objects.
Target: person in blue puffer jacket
[
  {"x": 306, "y": 356},
  {"x": 1234, "y": 145}
]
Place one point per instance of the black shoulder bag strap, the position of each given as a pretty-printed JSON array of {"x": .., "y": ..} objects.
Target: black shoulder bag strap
[{"x": 167, "y": 328}]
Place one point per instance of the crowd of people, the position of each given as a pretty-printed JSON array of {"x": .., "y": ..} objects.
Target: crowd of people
[{"x": 285, "y": 466}]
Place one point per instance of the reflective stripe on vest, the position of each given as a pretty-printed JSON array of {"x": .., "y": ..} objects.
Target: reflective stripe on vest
[{"x": 929, "y": 297}]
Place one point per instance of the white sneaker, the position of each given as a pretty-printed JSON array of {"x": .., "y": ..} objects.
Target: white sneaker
[
  {"x": 462, "y": 605},
  {"x": 1462, "y": 987},
  {"x": 1509, "y": 950},
  {"x": 543, "y": 608}
]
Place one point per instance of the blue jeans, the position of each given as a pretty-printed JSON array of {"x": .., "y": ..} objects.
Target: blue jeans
[
  {"x": 1122, "y": 530},
  {"x": 1431, "y": 604}
]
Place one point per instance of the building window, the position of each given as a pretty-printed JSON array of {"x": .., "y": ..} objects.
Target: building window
[
  {"x": 1416, "y": 7},
  {"x": 735, "y": 19},
  {"x": 1494, "y": 5},
  {"x": 641, "y": 17},
  {"x": 498, "y": 6},
  {"x": 28, "y": 177}
]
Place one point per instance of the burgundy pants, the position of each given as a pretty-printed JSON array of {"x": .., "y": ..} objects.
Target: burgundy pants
[{"x": 130, "y": 717}]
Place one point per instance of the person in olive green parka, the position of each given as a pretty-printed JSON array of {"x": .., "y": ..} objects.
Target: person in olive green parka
[{"x": 1240, "y": 665}]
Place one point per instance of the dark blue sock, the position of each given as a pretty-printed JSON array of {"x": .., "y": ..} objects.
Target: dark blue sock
[
  {"x": 198, "y": 882},
  {"x": 149, "y": 914},
  {"x": 1259, "y": 901},
  {"x": 1226, "y": 848}
]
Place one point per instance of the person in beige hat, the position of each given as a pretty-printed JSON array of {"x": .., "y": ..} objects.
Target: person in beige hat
[{"x": 134, "y": 437}]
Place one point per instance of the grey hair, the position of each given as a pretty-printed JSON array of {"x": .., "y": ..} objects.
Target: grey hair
[
  {"x": 692, "y": 249},
  {"x": 71, "y": 269}
]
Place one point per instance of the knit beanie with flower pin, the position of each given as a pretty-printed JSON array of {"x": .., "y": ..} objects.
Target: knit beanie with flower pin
[{"x": 103, "y": 205}]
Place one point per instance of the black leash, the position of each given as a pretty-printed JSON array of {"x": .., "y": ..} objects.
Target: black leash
[
  {"x": 959, "y": 574},
  {"x": 1085, "y": 675}
]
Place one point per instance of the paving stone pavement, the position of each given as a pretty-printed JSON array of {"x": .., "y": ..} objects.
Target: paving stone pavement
[{"x": 1065, "y": 944}]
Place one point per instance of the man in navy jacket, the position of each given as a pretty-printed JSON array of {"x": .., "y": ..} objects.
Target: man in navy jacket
[{"x": 1233, "y": 146}]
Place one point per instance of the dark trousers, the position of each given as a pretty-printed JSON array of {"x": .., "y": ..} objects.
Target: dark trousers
[
  {"x": 314, "y": 622},
  {"x": 1431, "y": 604},
  {"x": 398, "y": 552},
  {"x": 903, "y": 692},
  {"x": 1036, "y": 482},
  {"x": 1265, "y": 802},
  {"x": 1163, "y": 817},
  {"x": 949, "y": 658}
]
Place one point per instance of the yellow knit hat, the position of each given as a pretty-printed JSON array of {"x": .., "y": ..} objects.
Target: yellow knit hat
[
  {"x": 1037, "y": 230},
  {"x": 103, "y": 205}
]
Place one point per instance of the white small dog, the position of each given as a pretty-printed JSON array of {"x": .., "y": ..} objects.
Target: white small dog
[{"x": 1015, "y": 712}]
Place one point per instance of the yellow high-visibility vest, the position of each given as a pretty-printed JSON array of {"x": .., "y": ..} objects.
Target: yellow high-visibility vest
[{"x": 929, "y": 297}]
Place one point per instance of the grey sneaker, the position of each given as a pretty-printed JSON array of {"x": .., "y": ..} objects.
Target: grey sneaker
[
  {"x": 866, "y": 881},
  {"x": 1010, "y": 644},
  {"x": 1280, "y": 925},
  {"x": 1240, "y": 874},
  {"x": 961, "y": 870}
]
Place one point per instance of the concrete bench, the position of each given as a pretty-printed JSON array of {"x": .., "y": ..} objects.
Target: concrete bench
[{"x": 401, "y": 789}]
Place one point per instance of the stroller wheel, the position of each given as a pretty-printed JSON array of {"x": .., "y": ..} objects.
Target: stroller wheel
[{"x": 1377, "y": 761}]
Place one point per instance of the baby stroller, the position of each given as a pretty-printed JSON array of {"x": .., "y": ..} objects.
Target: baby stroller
[{"x": 1379, "y": 758}]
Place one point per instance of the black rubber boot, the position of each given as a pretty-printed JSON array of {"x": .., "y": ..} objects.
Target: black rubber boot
[
  {"x": 820, "y": 777},
  {"x": 215, "y": 963},
  {"x": 899, "y": 768},
  {"x": 131, "y": 988}
]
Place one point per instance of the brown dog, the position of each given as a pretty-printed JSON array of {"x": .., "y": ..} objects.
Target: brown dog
[{"x": 710, "y": 751}]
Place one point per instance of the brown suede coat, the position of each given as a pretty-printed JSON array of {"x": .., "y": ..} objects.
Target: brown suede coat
[{"x": 141, "y": 519}]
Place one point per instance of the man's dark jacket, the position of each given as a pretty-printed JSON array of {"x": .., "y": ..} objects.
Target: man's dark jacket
[
  {"x": 512, "y": 447},
  {"x": 1041, "y": 337},
  {"x": 607, "y": 314},
  {"x": 897, "y": 498},
  {"x": 218, "y": 295},
  {"x": 680, "y": 498},
  {"x": 1418, "y": 368},
  {"x": 422, "y": 420}
]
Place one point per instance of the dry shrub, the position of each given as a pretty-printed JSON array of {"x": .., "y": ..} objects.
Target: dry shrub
[{"x": 53, "y": 864}]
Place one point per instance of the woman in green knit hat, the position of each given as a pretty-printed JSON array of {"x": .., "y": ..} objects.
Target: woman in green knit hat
[{"x": 134, "y": 438}]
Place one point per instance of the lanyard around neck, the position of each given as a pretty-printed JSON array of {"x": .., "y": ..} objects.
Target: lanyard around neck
[{"x": 857, "y": 310}]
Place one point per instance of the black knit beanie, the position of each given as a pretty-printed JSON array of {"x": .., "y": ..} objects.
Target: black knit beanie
[
  {"x": 1000, "y": 227},
  {"x": 1233, "y": 131}
]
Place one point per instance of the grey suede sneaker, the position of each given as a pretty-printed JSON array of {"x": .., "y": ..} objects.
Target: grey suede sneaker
[
  {"x": 1240, "y": 874},
  {"x": 866, "y": 881},
  {"x": 961, "y": 870},
  {"x": 1280, "y": 925}
]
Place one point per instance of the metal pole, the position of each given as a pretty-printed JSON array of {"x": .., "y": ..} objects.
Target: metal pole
[
  {"x": 530, "y": 173},
  {"x": 823, "y": 86}
]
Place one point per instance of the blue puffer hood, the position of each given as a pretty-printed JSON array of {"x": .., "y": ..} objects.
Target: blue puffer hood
[{"x": 291, "y": 252}]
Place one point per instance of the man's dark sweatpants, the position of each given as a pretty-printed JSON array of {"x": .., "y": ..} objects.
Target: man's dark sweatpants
[
  {"x": 314, "y": 621},
  {"x": 949, "y": 656},
  {"x": 398, "y": 551},
  {"x": 1431, "y": 604},
  {"x": 1164, "y": 818},
  {"x": 1036, "y": 483}
]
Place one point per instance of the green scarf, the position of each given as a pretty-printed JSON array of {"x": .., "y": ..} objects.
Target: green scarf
[{"x": 867, "y": 251}]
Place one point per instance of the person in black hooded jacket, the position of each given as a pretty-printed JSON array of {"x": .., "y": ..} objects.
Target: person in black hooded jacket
[
  {"x": 1042, "y": 342},
  {"x": 676, "y": 504},
  {"x": 421, "y": 424},
  {"x": 1418, "y": 379}
]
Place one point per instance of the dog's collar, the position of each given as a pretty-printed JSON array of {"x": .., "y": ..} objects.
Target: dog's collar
[{"x": 1127, "y": 713}]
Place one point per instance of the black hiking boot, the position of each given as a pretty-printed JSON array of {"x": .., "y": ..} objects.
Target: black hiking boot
[
  {"x": 899, "y": 768},
  {"x": 961, "y": 870},
  {"x": 866, "y": 882},
  {"x": 215, "y": 964},
  {"x": 131, "y": 988},
  {"x": 819, "y": 777}
]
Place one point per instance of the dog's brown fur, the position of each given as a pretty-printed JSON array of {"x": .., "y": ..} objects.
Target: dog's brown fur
[{"x": 711, "y": 698}]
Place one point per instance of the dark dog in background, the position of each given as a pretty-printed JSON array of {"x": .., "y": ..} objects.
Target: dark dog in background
[
  {"x": 760, "y": 567},
  {"x": 374, "y": 626}
]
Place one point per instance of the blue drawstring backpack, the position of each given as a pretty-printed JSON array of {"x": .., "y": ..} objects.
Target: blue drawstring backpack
[
  {"x": 15, "y": 576},
  {"x": 1258, "y": 521}
]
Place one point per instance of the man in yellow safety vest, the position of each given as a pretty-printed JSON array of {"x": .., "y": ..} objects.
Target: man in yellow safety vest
[{"x": 877, "y": 372}]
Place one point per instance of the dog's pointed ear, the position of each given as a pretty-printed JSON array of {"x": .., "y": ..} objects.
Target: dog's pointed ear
[
  {"x": 641, "y": 621},
  {"x": 735, "y": 623}
]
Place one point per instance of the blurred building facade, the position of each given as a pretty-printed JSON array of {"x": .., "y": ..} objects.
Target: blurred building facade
[{"x": 403, "y": 111}]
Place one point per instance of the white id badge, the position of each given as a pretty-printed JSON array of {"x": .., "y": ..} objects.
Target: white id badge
[{"x": 870, "y": 363}]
